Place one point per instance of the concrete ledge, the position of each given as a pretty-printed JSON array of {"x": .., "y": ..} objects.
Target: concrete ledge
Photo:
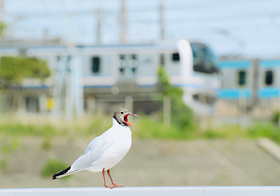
[
  {"x": 147, "y": 191},
  {"x": 271, "y": 147}
]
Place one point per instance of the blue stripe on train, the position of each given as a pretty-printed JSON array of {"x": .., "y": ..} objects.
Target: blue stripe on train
[
  {"x": 268, "y": 92},
  {"x": 233, "y": 93},
  {"x": 235, "y": 64},
  {"x": 269, "y": 63}
]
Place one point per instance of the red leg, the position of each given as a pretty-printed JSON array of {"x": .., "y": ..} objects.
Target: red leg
[
  {"x": 114, "y": 185},
  {"x": 105, "y": 184}
]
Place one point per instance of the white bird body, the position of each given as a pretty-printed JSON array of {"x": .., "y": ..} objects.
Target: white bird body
[{"x": 104, "y": 151}]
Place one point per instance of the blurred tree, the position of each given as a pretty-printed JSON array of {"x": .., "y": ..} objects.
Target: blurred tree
[
  {"x": 181, "y": 114},
  {"x": 275, "y": 117},
  {"x": 166, "y": 87},
  {"x": 14, "y": 69},
  {"x": 3, "y": 27}
]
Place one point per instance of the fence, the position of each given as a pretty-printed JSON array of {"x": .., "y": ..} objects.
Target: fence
[{"x": 148, "y": 191}]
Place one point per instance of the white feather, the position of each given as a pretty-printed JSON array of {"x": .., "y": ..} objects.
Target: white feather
[{"x": 104, "y": 151}]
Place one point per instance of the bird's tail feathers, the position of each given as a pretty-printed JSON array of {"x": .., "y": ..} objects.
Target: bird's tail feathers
[{"x": 64, "y": 173}]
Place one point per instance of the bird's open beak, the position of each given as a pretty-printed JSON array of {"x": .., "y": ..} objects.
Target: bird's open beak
[
  {"x": 126, "y": 119},
  {"x": 133, "y": 114}
]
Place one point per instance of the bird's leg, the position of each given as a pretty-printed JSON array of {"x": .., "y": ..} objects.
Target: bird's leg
[
  {"x": 114, "y": 185},
  {"x": 105, "y": 184}
]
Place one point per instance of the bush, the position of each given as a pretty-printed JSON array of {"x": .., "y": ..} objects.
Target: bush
[
  {"x": 275, "y": 117},
  {"x": 53, "y": 166},
  {"x": 14, "y": 69},
  {"x": 3, "y": 163},
  {"x": 181, "y": 115}
]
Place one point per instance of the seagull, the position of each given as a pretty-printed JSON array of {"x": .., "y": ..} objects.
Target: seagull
[{"x": 106, "y": 150}]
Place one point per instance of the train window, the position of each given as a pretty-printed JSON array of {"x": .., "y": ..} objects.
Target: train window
[
  {"x": 122, "y": 64},
  {"x": 203, "y": 59},
  {"x": 175, "y": 57},
  {"x": 121, "y": 70},
  {"x": 133, "y": 63},
  {"x": 269, "y": 77},
  {"x": 196, "y": 57},
  {"x": 122, "y": 57},
  {"x": 95, "y": 67},
  {"x": 241, "y": 78},
  {"x": 133, "y": 56},
  {"x": 161, "y": 60}
]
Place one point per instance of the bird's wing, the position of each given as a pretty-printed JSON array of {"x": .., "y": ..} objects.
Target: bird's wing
[{"x": 92, "y": 153}]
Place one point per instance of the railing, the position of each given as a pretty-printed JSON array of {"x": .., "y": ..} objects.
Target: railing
[{"x": 147, "y": 191}]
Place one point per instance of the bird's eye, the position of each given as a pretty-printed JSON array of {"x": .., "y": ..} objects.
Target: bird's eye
[{"x": 121, "y": 112}]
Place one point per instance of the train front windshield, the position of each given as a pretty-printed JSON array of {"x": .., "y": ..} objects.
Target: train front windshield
[{"x": 204, "y": 59}]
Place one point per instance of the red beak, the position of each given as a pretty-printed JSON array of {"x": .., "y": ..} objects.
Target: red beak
[{"x": 126, "y": 119}]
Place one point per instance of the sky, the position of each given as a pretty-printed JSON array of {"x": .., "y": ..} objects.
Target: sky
[{"x": 250, "y": 28}]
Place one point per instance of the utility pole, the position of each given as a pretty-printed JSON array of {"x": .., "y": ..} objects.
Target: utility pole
[
  {"x": 161, "y": 20},
  {"x": 167, "y": 110},
  {"x": 98, "y": 14},
  {"x": 161, "y": 26},
  {"x": 123, "y": 23},
  {"x": 2, "y": 19},
  {"x": 166, "y": 99},
  {"x": 2, "y": 16}
]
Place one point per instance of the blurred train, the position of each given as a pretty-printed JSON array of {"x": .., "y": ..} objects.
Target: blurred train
[
  {"x": 251, "y": 85},
  {"x": 110, "y": 73}
]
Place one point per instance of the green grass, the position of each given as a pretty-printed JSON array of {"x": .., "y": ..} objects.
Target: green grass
[
  {"x": 144, "y": 127},
  {"x": 147, "y": 128},
  {"x": 258, "y": 130},
  {"x": 268, "y": 130},
  {"x": 19, "y": 129},
  {"x": 225, "y": 131},
  {"x": 9, "y": 145},
  {"x": 3, "y": 163},
  {"x": 46, "y": 145},
  {"x": 53, "y": 166}
]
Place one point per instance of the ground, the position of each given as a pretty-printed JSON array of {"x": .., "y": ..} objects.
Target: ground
[{"x": 148, "y": 163}]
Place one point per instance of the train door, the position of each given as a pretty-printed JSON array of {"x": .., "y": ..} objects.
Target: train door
[{"x": 128, "y": 64}]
